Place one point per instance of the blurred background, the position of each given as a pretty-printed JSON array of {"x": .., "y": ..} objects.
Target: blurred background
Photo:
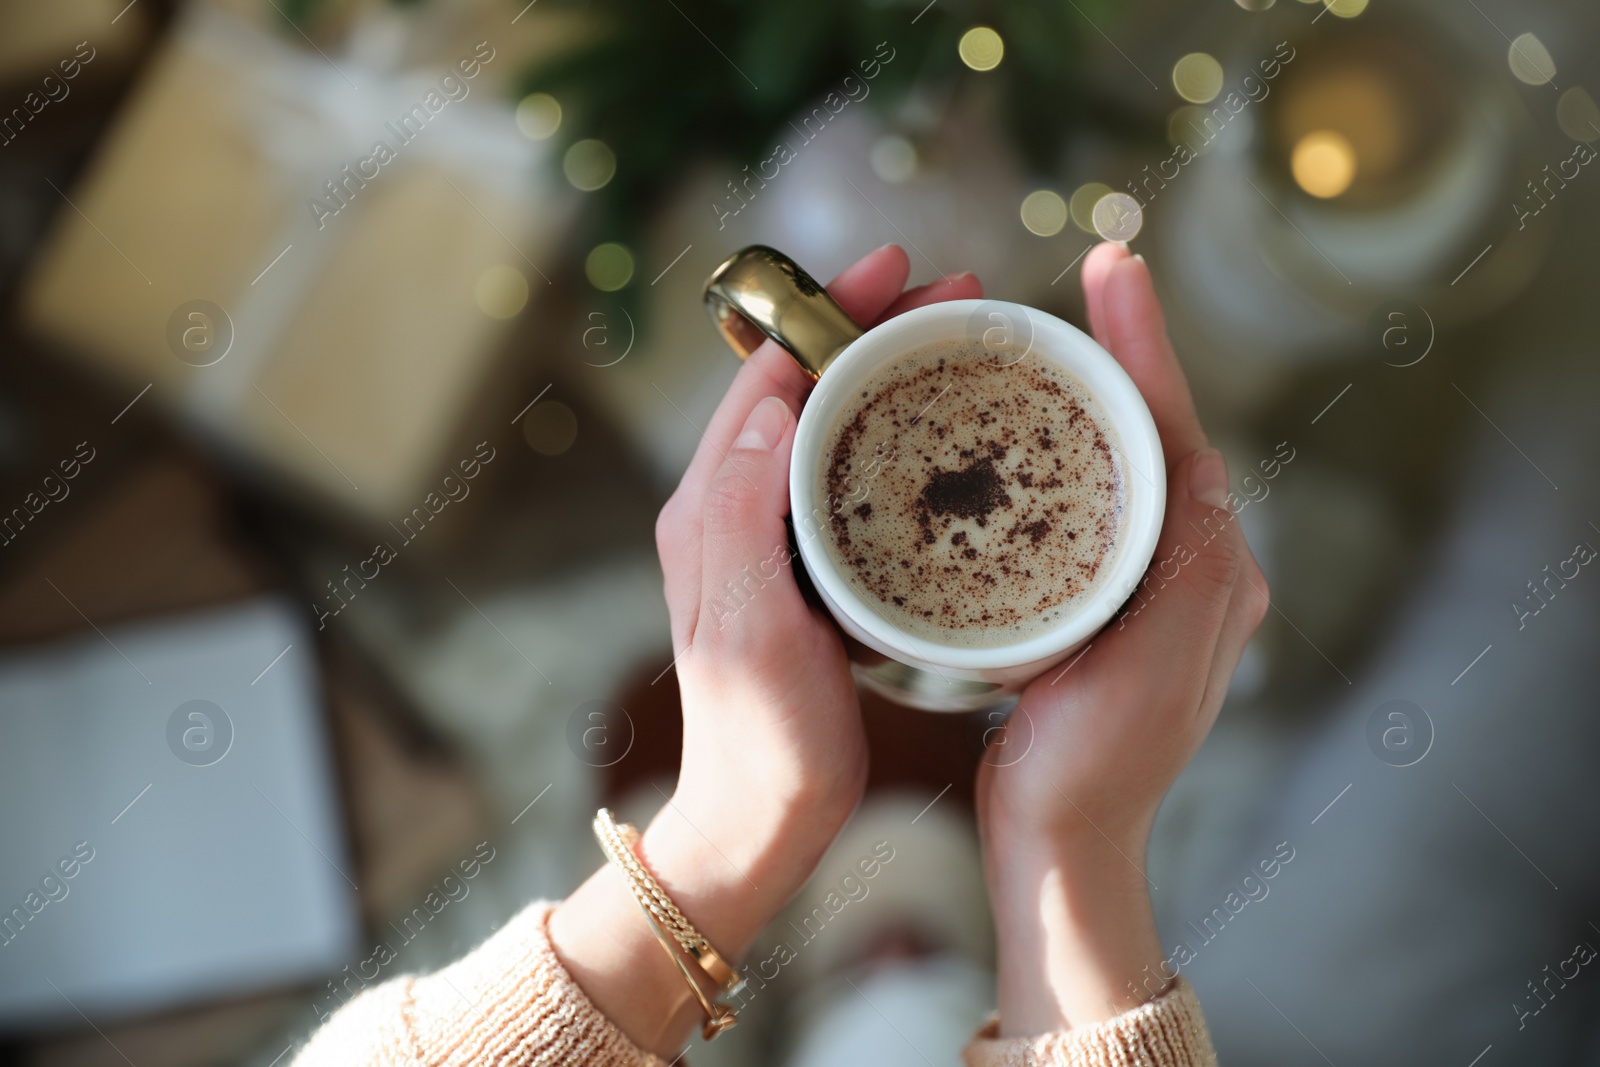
[{"x": 351, "y": 347}]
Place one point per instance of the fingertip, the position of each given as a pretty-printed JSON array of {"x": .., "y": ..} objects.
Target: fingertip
[
  {"x": 1260, "y": 594},
  {"x": 1097, "y": 268},
  {"x": 970, "y": 283},
  {"x": 1201, "y": 530},
  {"x": 964, "y": 286},
  {"x": 765, "y": 426},
  {"x": 1129, "y": 294},
  {"x": 1137, "y": 330},
  {"x": 883, "y": 258},
  {"x": 779, "y": 372},
  {"x": 1208, "y": 478},
  {"x": 1132, "y": 317},
  {"x": 1103, "y": 256},
  {"x": 872, "y": 282}
]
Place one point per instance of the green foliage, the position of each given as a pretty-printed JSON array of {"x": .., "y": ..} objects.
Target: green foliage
[
  {"x": 665, "y": 82},
  {"x": 298, "y": 13}
]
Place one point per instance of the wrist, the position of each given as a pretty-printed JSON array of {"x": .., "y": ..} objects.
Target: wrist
[
  {"x": 1025, "y": 822},
  {"x": 727, "y": 874},
  {"x": 1076, "y": 932},
  {"x": 728, "y": 868},
  {"x": 738, "y": 850}
]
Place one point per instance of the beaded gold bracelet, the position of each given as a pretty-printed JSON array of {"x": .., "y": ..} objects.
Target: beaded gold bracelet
[{"x": 667, "y": 922}]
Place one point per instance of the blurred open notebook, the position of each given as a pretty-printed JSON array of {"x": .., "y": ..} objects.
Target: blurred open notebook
[{"x": 149, "y": 860}]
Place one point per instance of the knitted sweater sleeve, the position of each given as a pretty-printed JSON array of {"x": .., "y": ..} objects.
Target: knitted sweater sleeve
[
  {"x": 510, "y": 1003},
  {"x": 1169, "y": 1031}
]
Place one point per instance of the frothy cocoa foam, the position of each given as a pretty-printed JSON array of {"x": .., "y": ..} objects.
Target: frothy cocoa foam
[{"x": 974, "y": 499}]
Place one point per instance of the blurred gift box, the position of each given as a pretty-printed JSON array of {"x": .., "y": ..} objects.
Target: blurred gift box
[{"x": 312, "y": 259}]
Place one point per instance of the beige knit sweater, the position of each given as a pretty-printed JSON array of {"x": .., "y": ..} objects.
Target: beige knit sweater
[{"x": 510, "y": 1003}]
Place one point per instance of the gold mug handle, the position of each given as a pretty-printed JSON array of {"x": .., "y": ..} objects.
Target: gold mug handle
[{"x": 760, "y": 291}]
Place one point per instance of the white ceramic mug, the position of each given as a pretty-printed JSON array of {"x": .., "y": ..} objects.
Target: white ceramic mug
[{"x": 760, "y": 292}]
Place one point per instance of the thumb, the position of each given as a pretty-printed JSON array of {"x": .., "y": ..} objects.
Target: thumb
[
  {"x": 1137, "y": 332},
  {"x": 746, "y": 546}
]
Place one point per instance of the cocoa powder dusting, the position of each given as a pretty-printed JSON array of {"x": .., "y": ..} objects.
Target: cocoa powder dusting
[{"x": 974, "y": 500}]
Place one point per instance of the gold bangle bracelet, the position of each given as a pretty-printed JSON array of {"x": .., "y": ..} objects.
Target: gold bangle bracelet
[
  {"x": 618, "y": 841},
  {"x": 667, "y": 922},
  {"x": 719, "y": 1017}
]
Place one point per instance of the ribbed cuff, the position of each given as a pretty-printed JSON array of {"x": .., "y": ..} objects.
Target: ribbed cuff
[
  {"x": 512, "y": 1004},
  {"x": 1169, "y": 1031}
]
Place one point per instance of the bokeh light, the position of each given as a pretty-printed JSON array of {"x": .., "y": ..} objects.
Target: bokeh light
[
  {"x": 1324, "y": 163},
  {"x": 981, "y": 48},
  {"x": 1391, "y": 126},
  {"x": 1044, "y": 212},
  {"x": 538, "y": 116},
  {"x": 1118, "y": 217},
  {"x": 609, "y": 266},
  {"x": 1197, "y": 77},
  {"x": 1254, "y": 5},
  {"x": 589, "y": 165},
  {"x": 894, "y": 159},
  {"x": 501, "y": 291},
  {"x": 1577, "y": 114},
  {"x": 1530, "y": 60},
  {"x": 1346, "y": 9},
  {"x": 550, "y": 428},
  {"x": 1081, "y": 204},
  {"x": 1187, "y": 125}
]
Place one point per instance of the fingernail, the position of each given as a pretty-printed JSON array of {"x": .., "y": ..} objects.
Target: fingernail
[
  {"x": 1140, "y": 257},
  {"x": 1208, "y": 478},
  {"x": 764, "y": 426},
  {"x": 952, "y": 279}
]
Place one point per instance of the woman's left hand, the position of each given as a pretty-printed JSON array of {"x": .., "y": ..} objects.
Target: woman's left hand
[{"x": 774, "y": 756}]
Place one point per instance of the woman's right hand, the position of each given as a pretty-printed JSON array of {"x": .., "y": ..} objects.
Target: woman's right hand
[{"x": 1065, "y": 826}]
